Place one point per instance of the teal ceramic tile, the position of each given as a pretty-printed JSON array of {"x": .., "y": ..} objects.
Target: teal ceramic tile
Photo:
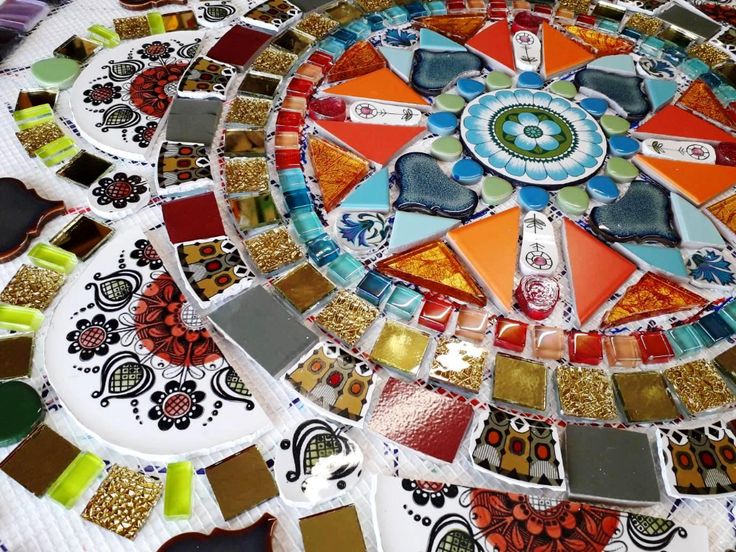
[
  {"x": 660, "y": 92},
  {"x": 621, "y": 64},
  {"x": 665, "y": 260},
  {"x": 404, "y": 302},
  {"x": 412, "y": 229},
  {"x": 399, "y": 60},
  {"x": 371, "y": 195},
  {"x": 695, "y": 229},
  {"x": 435, "y": 42}
]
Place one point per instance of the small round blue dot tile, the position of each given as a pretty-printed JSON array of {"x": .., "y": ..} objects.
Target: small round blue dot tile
[
  {"x": 442, "y": 123},
  {"x": 467, "y": 171},
  {"x": 470, "y": 89},
  {"x": 623, "y": 146},
  {"x": 533, "y": 198},
  {"x": 595, "y": 106},
  {"x": 530, "y": 79},
  {"x": 602, "y": 188}
]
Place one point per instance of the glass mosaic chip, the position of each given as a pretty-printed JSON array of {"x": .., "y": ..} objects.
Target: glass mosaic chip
[
  {"x": 585, "y": 348},
  {"x": 471, "y": 324},
  {"x": 510, "y": 334},
  {"x": 246, "y": 175},
  {"x": 622, "y": 350},
  {"x": 347, "y": 317},
  {"x": 273, "y": 249},
  {"x": 76, "y": 479},
  {"x": 699, "y": 387},
  {"x": 400, "y": 347},
  {"x": 32, "y": 287},
  {"x": 245, "y": 143},
  {"x": 34, "y": 97},
  {"x": 714, "y": 326},
  {"x": 77, "y": 48},
  {"x": 322, "y": 250},
  {"x": 644, "y": 397},
  {"x": 82, "y": 236},
  {"x": 520, "y": 382},
  {"x": 303, "y": 287},
  {"x": 436, "y": 314},
  {"x": 16, "y": 355},
  {"x": 260, "y": 85},
  {"x": 374, "y": 287},
  {"x": 459, "y": 364},
  {"x": 684, "y": 340},
  {"x": 585, "y": 393},
  {"x": 254, "y": 211},
  {"x": 403, "y": 302},
  {"x": 548, "y": 343},
  {"x": 346, "y": 270},
  {"x": 654, "y": 346},
  {"x": 335, "y": 530},
  {"x": 84, "y": 169}
]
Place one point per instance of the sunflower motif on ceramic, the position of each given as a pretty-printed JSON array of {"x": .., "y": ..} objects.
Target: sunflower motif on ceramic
[
  {"x": 182, "y": 168},
  {"x": 119, "y": 195},
  {"x": 709, "y": 267},
  {"x": 120, "y": 97},
  {"x": 211, "y": 14},
  {"x": 429, "y": 492},
  {"x": 213, "y": 268},
  {"x": 206, "y": 78},
  {"x": 317, "y": 463},
  {"x": 363, "y": 233},
  {"x": 533, "y": 137},
  {"x": 335, "y": 381}
]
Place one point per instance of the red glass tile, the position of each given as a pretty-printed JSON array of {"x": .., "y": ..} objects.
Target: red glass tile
[
  {"x": 300, "y": 87},
  {"x": 540, "y": 8},
  {"x": 288, "y": 159},
  {"x": 288, "y": 128},
  {"x": 587, "y": 20},
  {"x": 585, "y": 348},
  {"x": 289, "y": 118},
  {"x": 655, "y": 348},
  {"x": 322, "y": 59},
  {"x": 436, "y": 314},
  {"x": 510, "y": 334}
]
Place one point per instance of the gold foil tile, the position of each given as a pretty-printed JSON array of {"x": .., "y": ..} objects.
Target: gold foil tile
[
  {"x": 375, "y": 5},
  {"x": 274, "y": 61},
  {"x": 132, "y": 27},
  {"x": 459, "y": 363},
  {"x": 585, "y": 393},
  {"x": 645, "y": 24},
  {"x": 32, "y": 286},
  {"x": 38, "y": 136},
  {"x": 347, "y": 316},
  {"x": 644, "y": 396},
  {"x": 273, "y": 250},
  {"x": 708, "y": 53},
  {"x": 699, "y": 386},
  {"x": 520, "y": 381},
  {"x": 249, "y": 111},
  {"x": 317, "y": 25},
  {"x": 304, "y": 287},
  {"x": 400, "y": 347},
  {"x": 246, "y": 175}
]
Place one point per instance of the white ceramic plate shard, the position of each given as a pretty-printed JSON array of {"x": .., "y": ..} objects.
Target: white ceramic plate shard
[{"x": 133, "y": 362}]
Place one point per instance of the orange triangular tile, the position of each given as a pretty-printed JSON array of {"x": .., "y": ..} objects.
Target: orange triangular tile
[
  {"x": 490, "y": 247},
  {"x": 493, "y": 44},
  {"x": 379, "y": 143},
  {"x": 700, "y": 99},
  {"x": 675, "y": 122},
  {"x": 358, "y": 60},
  {"x": 696, "y": 181},
  {"x": 435, "y": 267},
  {"x": 338, "y": 171},
  {"x": 596, "y": 271},
  {"x": 456, "y": 27},
  {"x": 651, "y": 296},
  {"x": 602, "y": 44},
  {"x": 560, "y": 54},
  {"x": 381, "y": 85}
]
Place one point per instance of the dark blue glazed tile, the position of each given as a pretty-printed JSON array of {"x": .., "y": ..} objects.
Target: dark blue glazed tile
[
  {"x": 623, "y": 93},
  {"x": 433, "y": 71},
  {"x": 715, "y": 327},
  {"x": 373, "y": 287},
  {"x": 426, "y": 189},
  {"x": 641, "y": 215}
]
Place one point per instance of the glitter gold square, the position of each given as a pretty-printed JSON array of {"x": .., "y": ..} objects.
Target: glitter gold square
[
  {"x": 132, "y": 27},
  {"x": 708, "y": 53},
  {"x": 699, "y": 386},
  {"x": 585, "y": 393},
  {"x": 273, "y": 250},
  {"x": 644, "y": 396},
  {"x": 645, "y": 24},
  {"x": 38, "y": 136},
  {"x": 123, "y": 501},
  {"x": 370, "y": 6},
  {"x": 459, "y": 363},
  {"x": 249, "y": 111},
  {"x": 400, "y": 347},
  {"x": 317, "y": 25},
  {"x": 347, "y": 317},
  {"x": 274, "y": 61},
  {"x": 576, "y": 6},
  {"x": 32, "y": 286},
  {"x": 246, "y": 175},
  {"x": 520, "y": 381},
  {"x": 304, "y": 287}
]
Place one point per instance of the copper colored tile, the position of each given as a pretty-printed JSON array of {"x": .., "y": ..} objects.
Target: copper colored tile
[
  {"x": 16, "y": 354},
  {"x": 336, "y": 530}
]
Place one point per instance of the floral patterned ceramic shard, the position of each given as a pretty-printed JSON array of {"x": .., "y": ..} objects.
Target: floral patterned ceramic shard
[
  {"x": 370, "y": 112},
  {"x": 360, "y": 59},
  {"x": 421, "y": 420},
  {"x": 338, "y": 171},
  {"x": 119, "y": 98},
  {"x": 698, "y": 462},
  {"x": 527, "y": 136},
  {"x": 527, "y": 51},
  {"x": 316, "y": 463},
  {"x": 710, "y": 268},
  {"x": 257, "y": 537},
  {"x": 539, "y": 254},
  {"x": 334, "y": 381},
  {"x": 560, "y": 54},
  {"x": 206, "y": 78},
  {"x": 160, "y": 373},
  {"x": 519, "y": 449},
  {"x": 433, "y": 72},
  {"x": 214, "y": 14},
  {"x": 182, "y": 168},
  {"x": 679, "y": 150},
  {"x": 467, "y": 519},
  {"x": 623, "y": 93},
  {"x": 119, "y": 195}
]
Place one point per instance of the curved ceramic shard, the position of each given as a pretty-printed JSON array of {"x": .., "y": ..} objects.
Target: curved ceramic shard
[
  {"x": 425, "y": 188},
  {"x": 623, "y": 93},
  {"x": 527, "y": 51},
  {"x": 676, "y": 150},
  {"x": 434, "y": 71},
  {"x": 22, "y": 215},
  {"x": 539, "y": 253},
  {"x": 254, "y": 538},
  {"x": 642, "y": 214}
]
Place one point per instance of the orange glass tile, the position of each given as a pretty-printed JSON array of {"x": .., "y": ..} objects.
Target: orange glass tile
[
  {"x": 360, "y": 59},
  {"x": 338, "y": 171},
  {"x": 679, "y": 124},
  {"x": 725, "y": 211},
  {"x": 701, "y": 99},
  {"x": 435, "y": 267},
  {"x": 494, "y": 44},
  {"x": 381, "y": 85},
  {"x": 560, "y": 54},
  {"x": 651, "y": 296},
  {"x": 601, "y": 44},
  {"x": 490, "y": 247},
  {"x": 457, "y": 27}
]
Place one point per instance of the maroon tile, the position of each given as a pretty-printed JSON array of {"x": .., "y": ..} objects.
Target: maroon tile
[
  {"x": 238, "y": 45},
  {"x": 193, "y": 218}
]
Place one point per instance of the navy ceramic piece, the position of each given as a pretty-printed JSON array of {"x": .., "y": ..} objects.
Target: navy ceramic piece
[
  {"x": 595, "y": 106},
  {"x": 623, "y": 146},
  {"x": 433, "y": 71},
  {"x": 625, "y": 92},
  {"x": 426, "y": 189},
  {"x": 530, "y": 79},
  {"x": 642, "y": 215}
]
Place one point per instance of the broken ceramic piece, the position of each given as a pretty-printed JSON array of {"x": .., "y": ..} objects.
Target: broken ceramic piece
[
  {"x": 527, "y": 51},
  {"x": 710, "y": 268},
  {"x": 694, "y": 152},
  {"x": 695, "y": 229},
  {"x": 539, "y": 253},
  {"x": 367, "y": 111}
]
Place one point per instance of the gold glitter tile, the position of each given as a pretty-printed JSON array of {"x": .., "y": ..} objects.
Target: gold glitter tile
[
  {"x": 375, "y": 5},
  {"x": 585, "y": 393},
  {"x": 400, "y": 347},
  {"x": 699, "y": 386},
  {"x": 132, "y": 27},
  {"x": 317, "y": 25},
  {"x": 520, "y": 381},
  {"x": 645, "y": 24},
  {"x": 576, "y": 6},
  {"x": 347, "y": 317},
  {"x": 273, "y": 250},
  {"x": 249, "y": 111},
  {"x": 708, "y": 53},
  {"x": 32, "y": 286},
  {"x": 644, "y": 396},
  {"x": 38, "y": 136},
  {"x": 274, "y": 61},
  {"x": 246, "y": 175},
  {"x": 304, "y": 287},
  {"x": 123, "y": 501},
  {"x": 459, "y": 363}
]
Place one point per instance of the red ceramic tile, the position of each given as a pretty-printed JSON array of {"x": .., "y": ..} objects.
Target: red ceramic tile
[
  {"x": 288, "y": 159},
  {"x": 238, "y": 45},
  {"x": 289, "y": 118},
  {"x": 193, "y": 218},
  {"x": 654, "y": 347},
  {"x": 422, "y": 420},
  {"x": 435, "y": 314},
  {"x": 510, "y": 334},
  {"x": 585, "y": 348},
  {"x": 300, "y": 87}
]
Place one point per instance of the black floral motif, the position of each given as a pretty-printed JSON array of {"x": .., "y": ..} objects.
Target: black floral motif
[
  {"x": 423, "y": 492},
  {"x": 102, "y": 93},
  {"x": 146, "y": 255},
  {"x": 156, "y": 50},
  {"x": 120, "y": 190},
  {"x": 93, "y": 337},
  {"x": 144, "y": 134},
  {"x": 176, "y": 405}
]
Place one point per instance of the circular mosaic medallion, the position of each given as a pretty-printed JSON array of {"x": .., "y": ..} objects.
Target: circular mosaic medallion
[{"x": 533, "y": 137}]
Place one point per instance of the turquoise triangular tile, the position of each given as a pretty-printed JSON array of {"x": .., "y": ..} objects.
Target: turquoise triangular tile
[
  {"x": 660, "y": 92},
  {"x": 371, "y": 195},
  {"x": 435, "y": 42},
  {"x": 665, "y": 260},
  {"x": 412, "y": 229},
  {"x": 695, "y": 229},
  {"x": 619, "y": 65},
  {"x": 399, "y": 60}
]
